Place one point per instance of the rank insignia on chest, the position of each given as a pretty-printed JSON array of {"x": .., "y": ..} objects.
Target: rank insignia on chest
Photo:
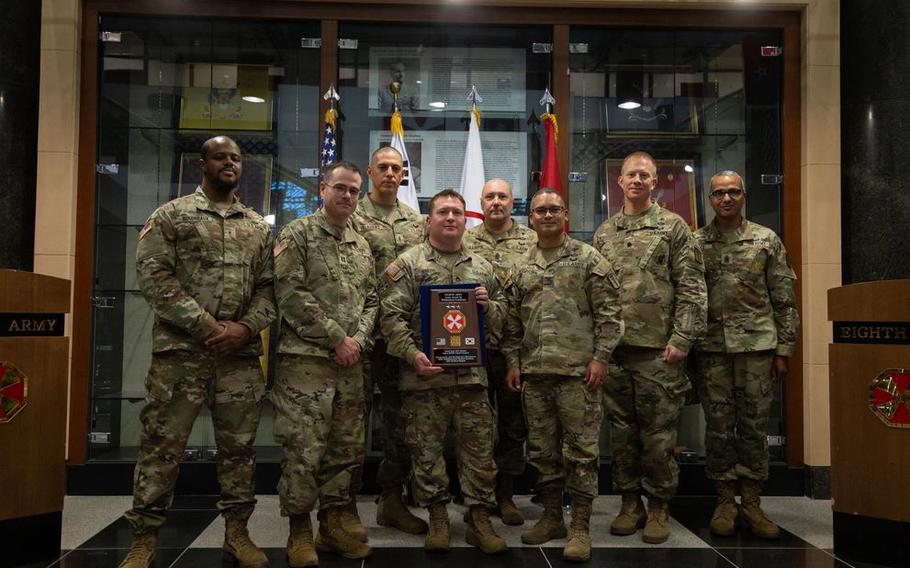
[
  {"x": 726, "y": 258},
  {"x": 343, "y": 259},
  {"x": 547, "y": 280}
]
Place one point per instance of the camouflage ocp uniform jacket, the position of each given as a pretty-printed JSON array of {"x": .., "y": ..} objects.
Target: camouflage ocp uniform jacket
[
  {"x": 197, "y": 265},
  {"x": 751, "y": 300},
  {"x": 325, "y": 287},
  {"x": 504, "y": 252},
  {"x": 662, "y": 275},
  {"x": 388, "y": 237},
  {"x": 401, "y": 319},
  {"x": 562, "y": 313}
]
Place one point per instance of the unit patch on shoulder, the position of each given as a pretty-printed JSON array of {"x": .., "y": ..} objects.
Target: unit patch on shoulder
[
  {"x": 145, "y": 230},
  {"x": 280, "y": 247}
]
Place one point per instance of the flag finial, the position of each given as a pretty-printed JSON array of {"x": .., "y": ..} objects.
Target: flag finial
[
  {"x": 547, "y": 101},
  {"x": 395, "y": 88},
  {"x": 474, "y": 97}
]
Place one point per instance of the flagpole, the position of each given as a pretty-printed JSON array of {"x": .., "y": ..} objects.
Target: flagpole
[
  {"x": 550, "y": 172},
  {"x": 329, "y": 150},
  {"x": 472, "y": 172}
]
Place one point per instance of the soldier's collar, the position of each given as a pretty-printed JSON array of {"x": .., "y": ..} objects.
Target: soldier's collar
[
  {"x": 372, "y": 209},
  {"x": 561, "y": 252},
  {"x": 647, "y": 218},
  {"x": 435, "y": 253},
  {"x": 344, "y": 234},
  {"x": 204, "y": 203},
  {"x": 743, "y": 232}
]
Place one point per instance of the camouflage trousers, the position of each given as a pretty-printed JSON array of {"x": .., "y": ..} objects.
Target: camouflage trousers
[
  {"x": 643, "y": 397},
  {"x": 735, "y": 393},
  {"x": 564, "y": 419},
  {"x": 511, "y": 429},
  {"x": 382, "y": 369},
  {"x": 429, "y": 414},
  {"x": 178, "y": 384},
  {"x": 319, "y": 423}
]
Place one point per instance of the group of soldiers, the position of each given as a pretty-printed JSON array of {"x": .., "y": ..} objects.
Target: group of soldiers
[{"x": 576, "y": 333}]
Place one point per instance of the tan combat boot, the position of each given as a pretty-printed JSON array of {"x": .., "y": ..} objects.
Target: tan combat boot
[
  {"x": 631, "y": 515},
  {"x": 578, "y": 549},
  {"x": 142, "y": 552},
  {"x": 752, "y": 515},
  {"x": 551, "y": 525},
  {"x": 480, "y": 531},
  {"x": 505, "y": 506},
  {"x": 438, "y": 533},
  {"x": 391, "y": 512},
  {"x": 657, "y": 528},
  {"x": 301, "y": 549},
  {"x": 333, "y": 538},
  {"x": 723, "y": 522},
  {"x": 239, "y": 547},
  {"x": 350, "y": 520}
]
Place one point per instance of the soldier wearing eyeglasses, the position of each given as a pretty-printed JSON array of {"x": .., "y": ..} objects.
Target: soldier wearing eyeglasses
[
  {"x": 663, "y": 306},
  {"x": 326, "y": 293},
  {"x": 752, "y": 327},
  {"x": 562, "y": 325}
]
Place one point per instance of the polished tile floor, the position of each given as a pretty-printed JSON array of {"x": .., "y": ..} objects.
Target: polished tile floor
[{"x": 95, "y": 535}]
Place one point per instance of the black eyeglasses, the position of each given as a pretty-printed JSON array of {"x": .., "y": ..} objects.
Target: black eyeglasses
[
  {"x": 542, "y": 211},
  {"x": 720, "y": 193}
]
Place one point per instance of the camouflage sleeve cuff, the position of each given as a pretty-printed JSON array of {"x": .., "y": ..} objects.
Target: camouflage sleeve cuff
[
  {"x": 784, "y": 350},
  {"x": 335, "y": 334},
  {"x": 250, "y": 326},
  {"x": 206, "y": 326},
  {"x": 365, "y": 341},
  {"x": 411, "y": 355},
  {"x": 512, "y": 360},
  {"x": 680, "y": 342},
  {"x": 602, "y": 356}
]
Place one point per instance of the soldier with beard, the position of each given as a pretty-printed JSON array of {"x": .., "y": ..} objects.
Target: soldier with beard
[{"x": 204, "y": 264}]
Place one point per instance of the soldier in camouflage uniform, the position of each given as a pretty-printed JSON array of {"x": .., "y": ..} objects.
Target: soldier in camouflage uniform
[
  {"x": 562, "y": 325},
  {"x": 752, "y": 327},
  {"x": 391, "y": 227},
  {"x": 204, "y": 265},
  {"x": 436, "y": 399},
  {"x": 327, "y": 297},
  {"x": 503, "y": 242},
  {"x": 664, "y": 303}
]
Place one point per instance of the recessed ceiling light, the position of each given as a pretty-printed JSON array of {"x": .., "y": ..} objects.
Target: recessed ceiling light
[
  {"x": 437, "y": 104},
  {"x": 252, "y": 99},
  {"x": 688, "y": 168},
  {"x": 629, "y": 105}
]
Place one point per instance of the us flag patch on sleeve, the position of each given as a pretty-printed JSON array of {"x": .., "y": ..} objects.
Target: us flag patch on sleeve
[
  {"x": 145, "y": 230},
  {"x": 393, "y": 271},
  {"x": 280, "y": 248}
]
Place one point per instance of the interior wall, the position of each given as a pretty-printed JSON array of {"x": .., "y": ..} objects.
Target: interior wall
[{"x": 820, "y": 168}]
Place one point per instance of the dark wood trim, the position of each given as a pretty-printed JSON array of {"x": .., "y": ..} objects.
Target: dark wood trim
[
  {"x": 560, "y": 87},
  {"x": 81, "y": 355},
  {"x": 515, "y": 13},
  {"x": 791, "y": 202},
  {"x": 328, "y": 72}
]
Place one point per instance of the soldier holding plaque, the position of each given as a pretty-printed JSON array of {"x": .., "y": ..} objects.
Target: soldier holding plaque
[
  {"x": 437, "y": 397},
  {"x": 562, "y": 325}
]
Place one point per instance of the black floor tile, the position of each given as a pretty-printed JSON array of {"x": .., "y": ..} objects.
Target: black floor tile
[
  {"x": 454, "y": 558},
  {"x": 179, "y": 531},
  {"x": 644, "y": 557},
  {"x": 694, "y": 513},
  {"x": 110, "y": 558},
  {"x": 782, "y": 558}
]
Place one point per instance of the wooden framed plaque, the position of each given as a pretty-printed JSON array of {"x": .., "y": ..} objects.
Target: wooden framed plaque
[{"x": 453, "y": 326}]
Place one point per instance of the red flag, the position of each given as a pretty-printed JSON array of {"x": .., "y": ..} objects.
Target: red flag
[{"x": 550, "y": 175}]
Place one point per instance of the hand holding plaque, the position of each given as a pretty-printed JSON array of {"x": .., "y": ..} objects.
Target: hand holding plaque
[{"x": 453, "y": 325}]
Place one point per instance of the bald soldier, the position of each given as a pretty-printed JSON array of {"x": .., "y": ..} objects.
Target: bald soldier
[
  {"x": 204, "y": 265},
  {"x": 391, "y": 228},
  {"x": 752, "y": 327},
  {"x": 561, "y": 326},
  {"x": 503, "y": 241},
  {"x": 664, "y": 302}
]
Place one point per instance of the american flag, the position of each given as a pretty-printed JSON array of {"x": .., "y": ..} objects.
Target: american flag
[{"x": 329, "y": 152}]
